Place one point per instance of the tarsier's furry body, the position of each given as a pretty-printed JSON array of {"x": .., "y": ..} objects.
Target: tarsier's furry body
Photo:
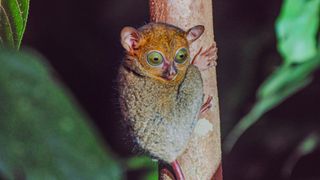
[
  {"x": 169, "y": 111},
  {"x": 161, "y": 92}
]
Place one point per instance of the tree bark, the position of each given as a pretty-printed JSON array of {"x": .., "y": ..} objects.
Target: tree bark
[{"x": 202, "y": 159}]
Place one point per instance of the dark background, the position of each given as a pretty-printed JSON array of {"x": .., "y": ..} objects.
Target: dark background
[{"x": 81, "y": 41}]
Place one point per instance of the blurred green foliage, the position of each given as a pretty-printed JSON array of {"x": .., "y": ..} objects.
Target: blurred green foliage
[
  {"x": 297, "y": 28},
  {"x": 144, "y": 162},
  {"x": 140, "y": 162},
  {"x": 13, "y": 19},
  {"x": 43, "y": 135},
  {"x": 307, "y": 146}
]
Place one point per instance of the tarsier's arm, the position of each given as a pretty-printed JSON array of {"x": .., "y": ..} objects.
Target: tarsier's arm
[
  {"x": 205, "y": 60},
  {"x": 190, "y": 86}
]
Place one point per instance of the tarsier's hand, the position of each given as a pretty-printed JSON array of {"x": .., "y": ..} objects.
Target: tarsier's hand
[{"x": 206, "y": 59}]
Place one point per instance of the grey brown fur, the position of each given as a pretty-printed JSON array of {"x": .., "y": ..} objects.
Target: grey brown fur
[{"x": 160, "y": 116}]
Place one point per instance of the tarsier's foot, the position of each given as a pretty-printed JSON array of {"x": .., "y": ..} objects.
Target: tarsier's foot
[
  {"x": 206, "y": 59},
  {"x": 207, "y": 105}
]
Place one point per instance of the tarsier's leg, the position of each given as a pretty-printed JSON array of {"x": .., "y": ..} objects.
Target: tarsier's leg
[{"x": 207, "y": 58}]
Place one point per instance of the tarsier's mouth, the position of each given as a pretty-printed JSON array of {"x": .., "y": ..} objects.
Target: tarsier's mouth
[{"x": 169, "y": 77}]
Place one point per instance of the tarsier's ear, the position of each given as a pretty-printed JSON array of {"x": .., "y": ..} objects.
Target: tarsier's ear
[
  {"x": 194, "y": 33},
  {"x": 129, "y": 38}
]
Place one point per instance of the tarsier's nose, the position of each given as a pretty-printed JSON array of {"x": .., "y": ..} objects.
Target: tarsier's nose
[{"x": 170, "y": 72}]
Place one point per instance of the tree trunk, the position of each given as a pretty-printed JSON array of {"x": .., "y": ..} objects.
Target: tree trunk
[{"x": 202, "y": 159}]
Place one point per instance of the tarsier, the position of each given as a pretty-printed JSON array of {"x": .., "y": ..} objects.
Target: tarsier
[{"x": 160, "y": 88}]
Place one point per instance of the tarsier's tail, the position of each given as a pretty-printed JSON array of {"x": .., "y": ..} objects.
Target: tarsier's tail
[
  {"x": 177, "y": 170},
  {"x": 175, "y": 173}
]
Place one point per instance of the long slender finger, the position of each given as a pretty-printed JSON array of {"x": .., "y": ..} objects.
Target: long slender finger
[{"x": 195, "y": 56}]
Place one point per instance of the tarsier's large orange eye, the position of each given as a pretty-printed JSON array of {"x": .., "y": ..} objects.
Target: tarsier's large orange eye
[
  {"x": 181, "y": 56},
  {"x": 154, "y": 58}
]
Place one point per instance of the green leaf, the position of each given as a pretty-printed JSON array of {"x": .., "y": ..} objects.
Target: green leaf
[
  {"x": 13, "y": 20},
  {"x": 280, "y": 85},
  {"x": 144, "y": 162},
  {"x": 153, "y": 175},
  {"x": 297, "y": 28},
  {"x": 286, "y": 75},
  {"x": 43, "y": 134},
  {"x": 259, "y": 109},
  {"x": 307, "y": 146},
  {"x": 135, "y": 163}
]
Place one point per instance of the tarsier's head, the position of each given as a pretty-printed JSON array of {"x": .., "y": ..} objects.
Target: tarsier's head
[{"x": 159, "y": 50}]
